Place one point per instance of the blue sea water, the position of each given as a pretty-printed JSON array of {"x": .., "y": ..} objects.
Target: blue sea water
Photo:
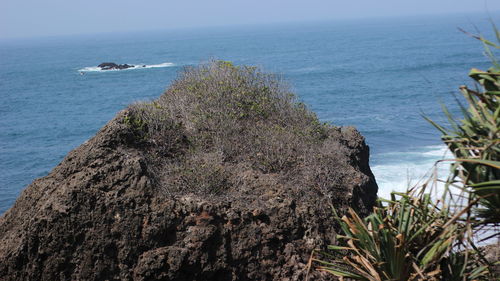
[{"x": 377, "y": 75}]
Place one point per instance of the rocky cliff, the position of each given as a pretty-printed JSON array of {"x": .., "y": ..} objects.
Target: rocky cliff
[{"x": 224, "y": 177}]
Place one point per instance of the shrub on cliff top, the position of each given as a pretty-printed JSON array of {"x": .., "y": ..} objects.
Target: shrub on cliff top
[{"x": 219, "y": 120}]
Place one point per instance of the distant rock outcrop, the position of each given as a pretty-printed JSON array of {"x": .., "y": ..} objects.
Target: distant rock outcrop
[
  {"x": 113, "y": 66},
  {"x": 113, "y": 209}
]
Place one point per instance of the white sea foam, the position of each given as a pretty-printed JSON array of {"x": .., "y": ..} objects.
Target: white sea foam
[
  {"x": 136, "y": 66},
  {"x": 90, "y": 69},
  {"x": 438, "y": 151},
  {"x": 399, "y": 170},
  {"x": 165, "y": 64}
]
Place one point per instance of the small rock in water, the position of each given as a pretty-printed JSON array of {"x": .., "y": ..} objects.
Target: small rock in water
[{"x": 113, "y": 66}]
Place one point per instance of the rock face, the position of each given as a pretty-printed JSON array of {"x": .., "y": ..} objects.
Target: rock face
[
  {"x": 113, "y": 66},
  {"x": 99, "y": 215}
]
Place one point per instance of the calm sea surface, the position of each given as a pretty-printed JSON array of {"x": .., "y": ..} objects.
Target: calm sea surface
[{"x": 377, "y": 75}]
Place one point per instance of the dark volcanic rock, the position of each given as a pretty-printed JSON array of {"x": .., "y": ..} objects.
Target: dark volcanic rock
[
  {"x": 101, "y": 215},
  {"x": 97, "y": 216},
  {"x": 112, "y": 65}
]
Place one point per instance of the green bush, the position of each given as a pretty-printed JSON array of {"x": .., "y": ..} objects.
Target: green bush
[
  {"x": 475, "y": 143},
  {"x": 475, "y": 139},
  {"x": 416, "y": 237}
]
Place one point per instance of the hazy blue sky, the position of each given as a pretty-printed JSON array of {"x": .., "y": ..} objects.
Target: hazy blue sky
[{"x": 26, "y": 18}]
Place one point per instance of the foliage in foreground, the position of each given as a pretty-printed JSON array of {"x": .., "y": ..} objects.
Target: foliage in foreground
[
  {"x": 409, "y": 238},
  {"x": 416, "y": 237},
  {"x": 475, "y": 143}
]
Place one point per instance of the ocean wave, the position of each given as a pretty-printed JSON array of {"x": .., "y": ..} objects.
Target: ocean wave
[
  {"x": 135, "y": 66},
  {"x": 398, "y": 171}
]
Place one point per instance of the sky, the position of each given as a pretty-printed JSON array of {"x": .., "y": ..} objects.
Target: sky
[{"x": 39, "y": 18}]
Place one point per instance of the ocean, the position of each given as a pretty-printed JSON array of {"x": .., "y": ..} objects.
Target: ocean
[{"x": 379, "y": 75}]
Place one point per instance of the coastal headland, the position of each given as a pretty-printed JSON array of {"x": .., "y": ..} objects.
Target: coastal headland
[{"x": 226, "y": 176}]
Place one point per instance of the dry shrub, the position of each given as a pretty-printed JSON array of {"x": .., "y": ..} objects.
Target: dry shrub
[
  {"x": 219, "y": 120},
  {"x": 323, "y": 171},
  {"x": 154, "y": 129},
  {"x": 202, "y": 172}
]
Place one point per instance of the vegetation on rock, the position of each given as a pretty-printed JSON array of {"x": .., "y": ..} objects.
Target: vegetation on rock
[{"x": 218, "y": 120}]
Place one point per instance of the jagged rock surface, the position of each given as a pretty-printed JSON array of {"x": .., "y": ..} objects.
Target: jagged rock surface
[
  {"x": 113, "y": 66},
  {"x": 99, "y": 215}
]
